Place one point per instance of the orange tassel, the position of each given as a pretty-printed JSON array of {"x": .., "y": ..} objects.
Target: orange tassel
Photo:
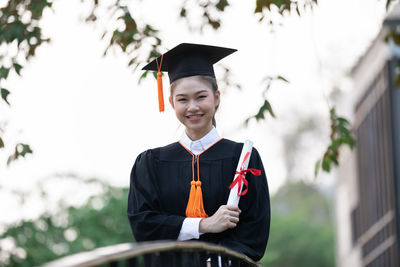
[
  {"x": 159, "y": 86},
  {"x": 198, "y": 202},
  {"x": 160, "y": 92},
  {"x": 190, "y": 204},
  {"x": 195, "y": 206}
]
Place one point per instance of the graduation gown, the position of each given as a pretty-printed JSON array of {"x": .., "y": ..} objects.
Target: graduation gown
[{"x": 159, "y": 192}]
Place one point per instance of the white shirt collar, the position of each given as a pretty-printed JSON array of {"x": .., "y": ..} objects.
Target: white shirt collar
[{"x": 198, "y": 146}]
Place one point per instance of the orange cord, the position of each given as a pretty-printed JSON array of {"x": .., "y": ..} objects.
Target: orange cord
[{"x": 195, "y": 206}]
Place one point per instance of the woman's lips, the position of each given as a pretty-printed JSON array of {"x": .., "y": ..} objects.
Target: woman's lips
[{"x": 196, "y": 117}]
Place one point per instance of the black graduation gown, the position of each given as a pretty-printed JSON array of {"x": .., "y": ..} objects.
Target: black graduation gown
[{"x": 159, "y": 192}]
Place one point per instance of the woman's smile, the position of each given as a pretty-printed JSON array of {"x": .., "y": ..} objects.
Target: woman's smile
[{"x": 194, "y": 117}]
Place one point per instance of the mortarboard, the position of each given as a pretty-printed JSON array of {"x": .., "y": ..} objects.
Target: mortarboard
[{"x": 185, "y": 60}]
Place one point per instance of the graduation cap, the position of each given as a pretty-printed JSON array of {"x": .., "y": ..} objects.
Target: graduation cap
[{"x": 185, "y": 60}]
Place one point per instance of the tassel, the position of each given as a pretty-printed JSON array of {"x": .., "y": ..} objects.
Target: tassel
[
  {"x": 195, "y": 207},
  {"x": 160, "y": 92},
  {"x": 160, "y": 86},
  {"x": 190, "y": 205},
  {"x": 198, "y": 202}
]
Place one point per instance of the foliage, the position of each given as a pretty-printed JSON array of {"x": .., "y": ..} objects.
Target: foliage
[
  {"x": 210, "y": 15},
  {"x": 20, "y": 31},
  {"x": 340, "y": 135},
  {"x": 140, "y": 42},
  {"x": 266, "y": 106},
  {"x": 20, "y": 151},
  {"x": 301, "y": 231},
  {"x": 264, "y": 7},
  {"x": 131, "y": 38},
  {"x": 301, "y": 228},
  {"x": 101, "y": 221}
]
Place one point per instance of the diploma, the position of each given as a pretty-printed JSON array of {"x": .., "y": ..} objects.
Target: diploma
[{"x": 239, "y": 178}]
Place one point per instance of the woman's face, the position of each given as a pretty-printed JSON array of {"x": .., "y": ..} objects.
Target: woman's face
[{"x": 195, "y": 104}]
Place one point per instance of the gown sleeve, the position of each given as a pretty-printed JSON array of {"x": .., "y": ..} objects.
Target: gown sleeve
[
  {"x": 250, "y": 236},
  {"x": 146, "y": 219}
]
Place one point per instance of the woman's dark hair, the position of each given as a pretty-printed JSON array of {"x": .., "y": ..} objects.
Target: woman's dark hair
[{"x": 211, "y": 81}]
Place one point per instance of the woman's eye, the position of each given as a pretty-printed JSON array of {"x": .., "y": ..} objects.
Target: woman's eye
[
  {"x": 201, "y": 96},
  {"x": 181, "y": 100}
]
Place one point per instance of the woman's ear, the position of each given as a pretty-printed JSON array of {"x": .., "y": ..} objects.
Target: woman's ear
[
  {"x": 217, "y": 98},
  {"x": 171, "y": 102}
]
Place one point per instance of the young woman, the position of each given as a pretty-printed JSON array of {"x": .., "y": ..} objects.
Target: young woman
[{"x": 179, "y": 191}]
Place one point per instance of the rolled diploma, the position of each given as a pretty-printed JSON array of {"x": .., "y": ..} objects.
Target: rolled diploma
[{"x": 233, "y": 195}]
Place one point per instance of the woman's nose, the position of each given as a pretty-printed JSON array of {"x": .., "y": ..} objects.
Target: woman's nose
[{"x": 193, "y": 105}]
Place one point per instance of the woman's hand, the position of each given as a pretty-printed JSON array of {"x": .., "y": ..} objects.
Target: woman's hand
[{"x": 224, "y": 218}]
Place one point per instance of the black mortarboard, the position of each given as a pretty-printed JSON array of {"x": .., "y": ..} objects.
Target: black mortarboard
[{"x": 187, "y": 60}]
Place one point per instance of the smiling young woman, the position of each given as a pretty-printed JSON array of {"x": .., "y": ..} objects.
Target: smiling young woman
[{"x": 180, "y": 191}]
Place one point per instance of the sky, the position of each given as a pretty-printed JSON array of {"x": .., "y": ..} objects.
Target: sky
[{"x": 86, "y": 114}]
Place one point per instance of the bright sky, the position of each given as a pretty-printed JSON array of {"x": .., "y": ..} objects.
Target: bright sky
[{"x": 86, "y": 114}]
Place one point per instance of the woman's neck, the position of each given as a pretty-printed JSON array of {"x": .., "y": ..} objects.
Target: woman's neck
[{"x": 196, "y": 135}]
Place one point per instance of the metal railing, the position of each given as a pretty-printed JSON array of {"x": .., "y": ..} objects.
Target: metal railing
[{"x": 158, "y": 253}]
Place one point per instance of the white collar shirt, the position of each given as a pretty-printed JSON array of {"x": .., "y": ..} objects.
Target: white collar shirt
[{"x": 198, "y": 146}]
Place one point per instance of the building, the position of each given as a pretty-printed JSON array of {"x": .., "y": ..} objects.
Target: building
[{"x": 367, "y": 200}]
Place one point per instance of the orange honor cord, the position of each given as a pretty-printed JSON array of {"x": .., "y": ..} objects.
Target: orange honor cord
[
  {"x": 190, "y": 204},
  {"x": 195, "y": 206},
  {"x": 160, "y": 86}
]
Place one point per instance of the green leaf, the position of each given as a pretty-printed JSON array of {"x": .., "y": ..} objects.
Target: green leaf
[
  {"x": 17, "y": 68},
  {"x": 333, "y": 158},
  {"x": 20, "y": 151},
  {"x": 350, "y": 141},
  {"x": 258, "y": 8},
  {"x": 343, "y": 130},
  {"x": 316, "y": 168},
  {"x": 4, "y": 95},
  {"x": 133, "y": 60},
  {"x": 269, "y": 108},
  {"x": 4, "y": 72},
  {"x": 332, "y": 111},
  {"x": 335, "y": 145},
  {"x": 388, "y": 4},
  {"x": 282, "y": 78},
  {"x": 343, "y": 121},
  {"x": 221, "y": 5},
  {"x": 182, "y": 13},
  {"x": 25, "y": 149},
  {"x": 297, "y": 10},
  {"x": 1, "y": 143},
  {"x": 143, "y": 76},
  {"x": 326, "y": 164}
]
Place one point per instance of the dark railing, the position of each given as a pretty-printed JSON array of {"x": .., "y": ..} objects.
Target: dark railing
[{"x": 159, "y": 253}]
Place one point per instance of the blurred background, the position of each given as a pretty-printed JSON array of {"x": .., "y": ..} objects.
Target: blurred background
[{"x": 313, "y": 85}]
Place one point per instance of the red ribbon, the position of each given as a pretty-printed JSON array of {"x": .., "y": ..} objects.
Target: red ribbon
[{"x": 240, "y": 178}]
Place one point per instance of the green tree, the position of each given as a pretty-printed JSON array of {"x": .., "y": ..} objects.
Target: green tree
[
  {"x": 301, "y": 228},
  {"x": 100, "y": 221}
]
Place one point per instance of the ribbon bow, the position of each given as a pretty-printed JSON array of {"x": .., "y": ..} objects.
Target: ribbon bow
[{"x": 240, "y": 178}]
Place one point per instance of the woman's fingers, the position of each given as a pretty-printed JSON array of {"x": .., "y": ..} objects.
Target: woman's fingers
[
  {"x": 233, "y": 213},
  {"x": 233, "y": 208},
  {"x": 226, "y": 217},
  {"x": 234, "y": 219}
]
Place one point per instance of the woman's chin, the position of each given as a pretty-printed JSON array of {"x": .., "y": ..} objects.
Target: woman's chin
[{"x": 198, "y": 127}]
